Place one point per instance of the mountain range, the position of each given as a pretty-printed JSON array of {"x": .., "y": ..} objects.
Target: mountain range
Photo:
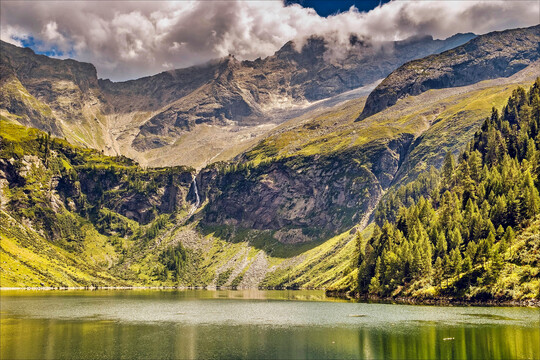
[
  {"x": 269, "y": 173},
  {"x": 225, "y": 95}
]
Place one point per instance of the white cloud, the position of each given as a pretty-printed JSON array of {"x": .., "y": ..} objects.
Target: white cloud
[
  {"x": 51, "y": 35},
  {"x": 133, "y": 39},
  {"x": 13, "y": 34}
]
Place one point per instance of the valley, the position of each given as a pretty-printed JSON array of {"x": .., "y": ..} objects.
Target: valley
[{"x": 237, "y": 180}]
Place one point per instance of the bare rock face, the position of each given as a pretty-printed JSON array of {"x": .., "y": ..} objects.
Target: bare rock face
[
  {"x": 316, "y": 196},
  {"x": 49, "y": 87},
  {"x": 497, "y": 54}
]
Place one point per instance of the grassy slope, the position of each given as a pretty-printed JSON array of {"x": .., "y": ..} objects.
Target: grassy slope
[
  {"x": 215, "y": 261},
  {"x": 520, "y": 274},
  {"x": 27, "y": 259},
  {"x": 444, "y": 118},
  {"x": 13, "y": 88},
  {"x": 327, "y": 264}
]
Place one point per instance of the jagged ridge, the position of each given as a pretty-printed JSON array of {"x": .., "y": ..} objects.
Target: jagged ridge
[
  {"x": 497, "y": 54},
  {"x": 162, "y": 107}
]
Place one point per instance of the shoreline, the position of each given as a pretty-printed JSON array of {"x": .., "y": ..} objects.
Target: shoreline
[
  {"x": 440, "y": 301},
  {"x": 93, "y": 288},
  {"x": 136, "y": 287}
]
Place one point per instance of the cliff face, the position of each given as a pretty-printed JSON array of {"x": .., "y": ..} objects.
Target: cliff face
[
  {"x": 490, "y": 56},
  {"x": 304, "y": 198},
  {"x": 139, "y": 197}
]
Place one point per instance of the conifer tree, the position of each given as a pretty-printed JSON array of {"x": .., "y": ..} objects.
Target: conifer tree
[{"x": 461, "y": 221}]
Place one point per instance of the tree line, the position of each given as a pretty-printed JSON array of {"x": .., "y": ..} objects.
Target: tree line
[{"x": 454, "y": 228}]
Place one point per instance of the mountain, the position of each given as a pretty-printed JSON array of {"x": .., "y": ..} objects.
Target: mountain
[
  {"x": 73, "y": 216},
  {"x": 497, "y": 54},
  {"x": 224, "y": 104},
  {"x": 263, "y": 90},
  {"x": 285, "y": 212},
  {"x": 471, "y": 229}
]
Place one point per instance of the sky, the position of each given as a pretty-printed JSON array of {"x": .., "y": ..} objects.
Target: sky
[
  {"x": 131, "y": 39},
  {"x": 326, "y": 7}
]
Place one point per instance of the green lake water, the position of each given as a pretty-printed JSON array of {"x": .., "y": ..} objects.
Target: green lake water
[{"x": 118, "y": 324}]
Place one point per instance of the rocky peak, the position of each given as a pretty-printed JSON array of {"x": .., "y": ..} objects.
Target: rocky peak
[
  {"x": 30, "y": 66},
  {"x": 312, "y": 51},
  {"x": 497, "y": 54},
  {"x": 227, "y": 66}
]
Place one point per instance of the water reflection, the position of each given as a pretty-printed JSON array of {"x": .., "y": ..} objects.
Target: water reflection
[
  {"x": 191, "y": 325},
  {"x": 53, "y": 339}
]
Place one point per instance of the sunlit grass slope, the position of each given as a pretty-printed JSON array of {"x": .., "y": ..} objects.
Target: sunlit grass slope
[
  {"x": 27, "y": 259},
  {"x": 112, "y": 249}
]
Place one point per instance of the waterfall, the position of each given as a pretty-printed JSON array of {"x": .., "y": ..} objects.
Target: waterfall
[{"x": 197, "y": 198}]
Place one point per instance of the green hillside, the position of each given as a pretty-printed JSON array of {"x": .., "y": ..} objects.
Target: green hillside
[
  {"x": 470, "y": 230},
  {"x": 74, "y": 217},
  {"x": 70, "y": 215}
]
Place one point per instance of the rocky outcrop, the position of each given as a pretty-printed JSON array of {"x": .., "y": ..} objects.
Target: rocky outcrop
[
  {"x": 303, "y": 198},
  {"x": 43, "y": 90},
  {"x": 497, "y": 54},
  {"x": 138, "y": 196}
]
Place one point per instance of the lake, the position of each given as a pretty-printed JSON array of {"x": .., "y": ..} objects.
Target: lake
[{"x": 166, "y": 324}]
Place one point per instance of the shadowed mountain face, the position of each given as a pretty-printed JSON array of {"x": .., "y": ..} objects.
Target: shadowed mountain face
[
  {"x": 65, "y": 96},
  {"x": 497, "y": 54}
]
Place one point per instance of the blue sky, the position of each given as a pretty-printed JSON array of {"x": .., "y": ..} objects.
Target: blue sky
[
  {"x": 326, "y": 7},
  {"x": 40, "y": 48}
]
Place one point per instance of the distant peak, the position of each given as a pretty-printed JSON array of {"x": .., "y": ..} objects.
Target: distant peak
[
  {"x": 311, "y": 45},
  {"x": 469, "y": 35},
  {"x": 417, "y": 38}
]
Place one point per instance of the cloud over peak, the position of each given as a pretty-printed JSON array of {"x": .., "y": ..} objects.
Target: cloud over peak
[{"x": 132, "y": 39}]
